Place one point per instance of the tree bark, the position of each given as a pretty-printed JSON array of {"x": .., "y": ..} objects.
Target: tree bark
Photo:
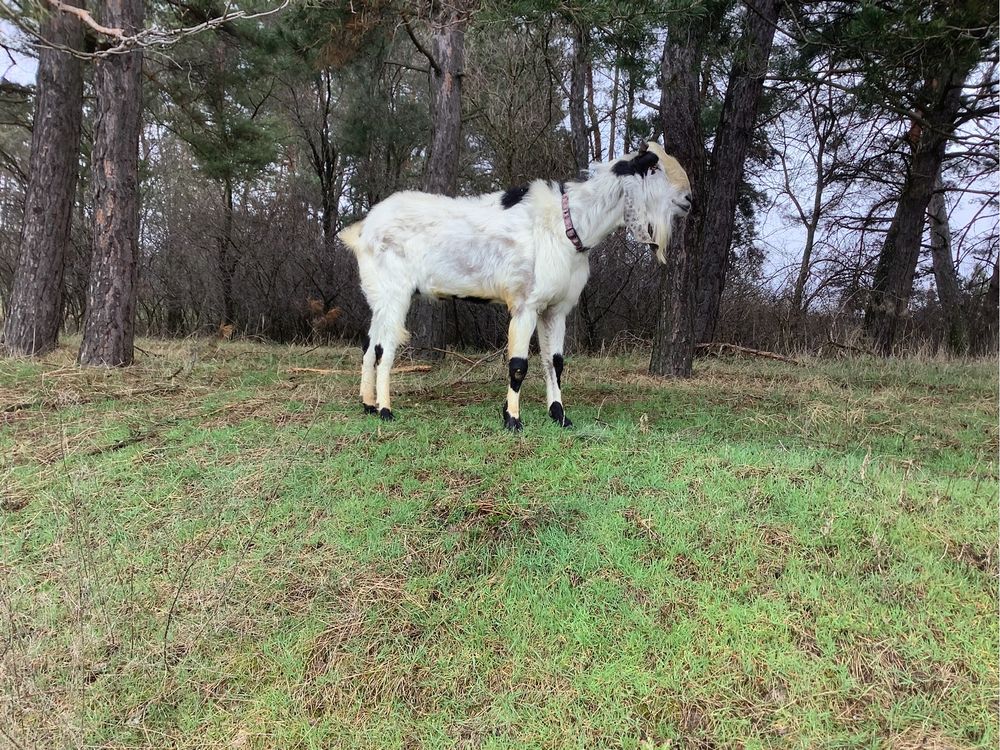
[
  {"x": 897, "y": 263},
  {"x": 577, "y": 102},
  {"x": 988, "y": 339},
  {"x": 427, "y": 320},
  {"x": 732, "y": 142},
  {"x": 227, "y": 255},
  {"x": 680, "y": 116},
  {"x": 945, "y": 277},
  {"x": 109, "y": 322},
  {"x": 35, "y": 309}
]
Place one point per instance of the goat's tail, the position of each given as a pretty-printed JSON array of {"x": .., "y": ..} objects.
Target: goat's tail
[{"x": 351, "y": 236}]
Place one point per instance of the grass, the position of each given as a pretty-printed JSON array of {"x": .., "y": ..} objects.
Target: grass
[{"x": 207, "y": 550}]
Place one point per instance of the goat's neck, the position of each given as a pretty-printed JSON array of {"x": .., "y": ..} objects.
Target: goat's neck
[{"x": 596, "y": 207}]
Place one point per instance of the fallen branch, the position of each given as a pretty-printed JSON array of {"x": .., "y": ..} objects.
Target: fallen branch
[
  {"x": 720, "y": 347},
  {"x": 848, "y": 347},
  {"x": 320, "y": 371}
]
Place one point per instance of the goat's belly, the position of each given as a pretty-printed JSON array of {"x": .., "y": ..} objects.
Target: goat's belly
[{"x": 461, "y": 284}]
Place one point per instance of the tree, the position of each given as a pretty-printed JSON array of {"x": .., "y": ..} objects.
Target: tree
[
  {"x": 733, "y": 137},
  {"x": 680, "y": 116},
  {"x": 447, "y": 62},
  {"x": 945, "y": 278},
  {"x": 109, "y": 322},
  {"x": 35, "y": 309},
  {"x": 897, "y": 263},
  {"x": 700, "y": 258}
]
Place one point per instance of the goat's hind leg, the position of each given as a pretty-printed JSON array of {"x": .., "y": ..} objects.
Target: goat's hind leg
[
  {"x": 388, "y": 332},
  {"x": 368, "y": 376}
]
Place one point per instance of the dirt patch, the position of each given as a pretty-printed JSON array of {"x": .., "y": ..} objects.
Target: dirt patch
[{"x": 983, "y": 559}]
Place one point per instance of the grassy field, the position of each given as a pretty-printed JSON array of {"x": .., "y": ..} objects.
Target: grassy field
[{"x": 209, "y": 550}]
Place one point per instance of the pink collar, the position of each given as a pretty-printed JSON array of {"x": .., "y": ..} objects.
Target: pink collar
[{"x": 568, "y": 221}]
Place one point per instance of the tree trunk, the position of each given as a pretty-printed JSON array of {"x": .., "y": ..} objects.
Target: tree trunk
[
  {"x": 427, "y": 321},
  {"x": 732, "y": 142},
  {"x": 897, "y": 263},
  {"x": 945, "y": 278},
  {"x": 227, "y": 255},
  {"x": 988, "y": 339},
  {"x": 812, "y": 224},
  {"x": 34, "y": 312},
  {"x": 109, "y": 322},
  {"x": 595, "y": 125},
  {"x": 680, "y": 116},
  {"x": 577, "y": 101}
]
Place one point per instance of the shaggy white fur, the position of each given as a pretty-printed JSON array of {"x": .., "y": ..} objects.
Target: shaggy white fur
[{"x": 517, "y": 255}]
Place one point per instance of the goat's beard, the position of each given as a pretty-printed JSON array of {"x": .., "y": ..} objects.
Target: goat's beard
[{"x": 661, "y": 234}]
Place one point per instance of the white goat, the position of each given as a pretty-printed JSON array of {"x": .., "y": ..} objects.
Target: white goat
[{"x": 525, "y": 248}]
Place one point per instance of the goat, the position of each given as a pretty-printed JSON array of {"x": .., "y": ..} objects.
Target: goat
[{"x": 525, "y": 248}]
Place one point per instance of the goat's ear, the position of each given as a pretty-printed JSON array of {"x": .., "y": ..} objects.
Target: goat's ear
[{"x": 640, "y": 165}]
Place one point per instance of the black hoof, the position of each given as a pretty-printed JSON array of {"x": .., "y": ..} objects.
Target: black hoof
[
  {"x": 385, "y": 415},
  {"x": 369, "y": 408},
  {"x": 558, "y": 415},
  {"x": 511, "y": 423}
]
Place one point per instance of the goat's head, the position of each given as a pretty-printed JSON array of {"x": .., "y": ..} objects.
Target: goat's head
[{"x": 657, "y": 193}]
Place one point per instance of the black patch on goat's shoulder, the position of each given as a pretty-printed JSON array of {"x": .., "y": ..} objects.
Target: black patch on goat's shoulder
[
  {"x": 557, "y": 365},
  {"x": 513, "y": 196},
  {"x": 378, "y": 354},
  {"x": 640, "y": 165}
]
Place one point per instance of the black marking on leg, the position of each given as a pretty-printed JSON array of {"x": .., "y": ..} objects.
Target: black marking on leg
[
  {"x": 517, "y": 368},
  {"x": 364, "y": 345},
  {"x": 511, "y": 423},
  {"x": 558, "y": 415},
  {"x": 378, "y": 354},
  {"x": 514, "y": 195},
  {"x": 370, "y": 408},
  {"x": 557, "y": 365},
  {"x": 385, "y": 415}
]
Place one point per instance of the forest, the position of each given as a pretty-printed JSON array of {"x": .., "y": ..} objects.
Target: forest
[{"x": 181, "y": 167}]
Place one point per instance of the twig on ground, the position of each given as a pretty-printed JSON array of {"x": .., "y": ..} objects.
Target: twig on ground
[
  {"x": 476, "y": 364},
  {"x": 720, "y": 347},
  {"x": 848, "y": 347},
  {"x": 321, "y": 371}
]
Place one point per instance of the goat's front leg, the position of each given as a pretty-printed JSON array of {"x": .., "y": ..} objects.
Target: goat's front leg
[
  {"x": 551, "y": 337},
  {"x": 522, "y": 324}
]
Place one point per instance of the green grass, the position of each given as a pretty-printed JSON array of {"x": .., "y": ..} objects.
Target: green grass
[{"x": 207, "y": 550}]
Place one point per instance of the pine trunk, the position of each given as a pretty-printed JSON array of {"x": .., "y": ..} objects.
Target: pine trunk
[
  {"x": 34, "y": 312},
  {"x": 680, "y": 115},
  {"x": 228, "y": 257},
  {"x": 427, "y": 320},
  {"x": 897, "y": 263},
  {"x": 732, "y": 143},
  {"x": 577, "y": 103},
  {"x": 945, "y": 278},
  {"x": 109, "y": 322}
]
